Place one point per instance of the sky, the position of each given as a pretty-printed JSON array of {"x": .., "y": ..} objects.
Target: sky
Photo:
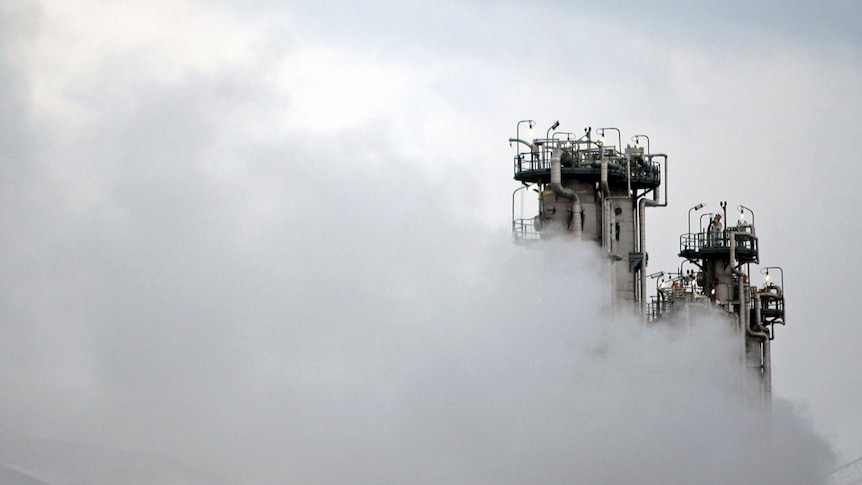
[{"x": 270, "y": 239}]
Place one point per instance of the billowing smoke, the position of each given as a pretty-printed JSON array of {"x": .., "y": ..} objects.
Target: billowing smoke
[
  {"x": 192, "y": 294},
  {"x": 331, "y": 318}
]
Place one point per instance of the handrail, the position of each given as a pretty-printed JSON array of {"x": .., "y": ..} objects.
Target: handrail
[
  {"x": 649, "y": 173},
  {"x": 697, "y": 241},
  {"x": 525, "y": 229}
]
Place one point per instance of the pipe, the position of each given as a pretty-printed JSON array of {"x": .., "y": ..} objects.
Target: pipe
[
  {"x": 518, "y": 140},
  {"x": 640, "y": 240},
  {"x": 607, "y": 213},
  {"x": 642, "y": 203},
  {"x": 604, "y": 181},
  {"x": 519, "y": 155},
  {"x": 655, "y": 195},
  {"x": 743, "y": 315},
  {"x": 757, "y": 316},
  {"x": 765, "y": 353},
  {"x": 767, "y": 366},
  {"x": 743, "y": 324},
  {"x": 560, "y": 191},
  {"x": 606, "y": 241},
  {"x": 607, "y": 226},
  {"x": 764, "y": 337},
  {"x": 744, "y": 318},
  {"x": 629, "y": 175},
  {"x": 612, "y": 223}
]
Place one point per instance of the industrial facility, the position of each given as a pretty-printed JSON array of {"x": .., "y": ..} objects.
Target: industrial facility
[{"x": 589, "y": 187}]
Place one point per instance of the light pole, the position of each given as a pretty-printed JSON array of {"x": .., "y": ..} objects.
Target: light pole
[
  {"x": 553, "y": 127},
  {"x": 569, "y": 135},
  {"x": 519, "y": 157},
  {"x": 781, "y": 271},
  {"x": 659, "y": 278},
  {"x": 518, "y": 128},
  {"x": 695, "y": 208},
  {"x": 619, "y": 137},
  {"x": 636, "y": 139},
  {"x": 742, "y": 210}
]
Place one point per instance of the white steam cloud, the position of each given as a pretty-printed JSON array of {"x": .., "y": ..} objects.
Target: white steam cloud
[
  {"x": 187, "y": 300},
  {"x": 328, "y": 321}
]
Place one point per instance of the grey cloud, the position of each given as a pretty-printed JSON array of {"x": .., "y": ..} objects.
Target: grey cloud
[
  {"x": 366, "y": 339},
  {"x": 316, "y": 309}
]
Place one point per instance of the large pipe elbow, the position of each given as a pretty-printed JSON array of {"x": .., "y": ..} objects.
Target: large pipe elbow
[
  {"x": 557, "y": 179},
  {"x": 763, "y": 336},
  {"x": 606, "y": 191},
  {"x": 560, "y": 191}
]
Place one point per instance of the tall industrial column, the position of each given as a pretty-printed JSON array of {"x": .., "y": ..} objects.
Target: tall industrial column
[{"x": 723, "y": 257}]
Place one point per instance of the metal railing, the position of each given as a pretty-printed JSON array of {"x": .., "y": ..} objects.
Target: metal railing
[
  {"x": 693, "y": 243},
  {"x": 589, "y": 163},
  {"x": 667, "y": 299},
  {"x": 525, "y": 230}
]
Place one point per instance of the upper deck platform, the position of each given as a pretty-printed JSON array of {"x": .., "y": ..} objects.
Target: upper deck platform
[
  {"x": 717, "y": 245},
  {"x": 585, "y": 165}
]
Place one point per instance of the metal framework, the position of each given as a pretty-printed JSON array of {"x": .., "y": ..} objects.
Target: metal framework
[
  {"x": 723, "y": 258},
  {"x": 588, "y": 190}
]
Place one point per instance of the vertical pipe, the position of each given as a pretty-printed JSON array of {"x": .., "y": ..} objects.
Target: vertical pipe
[
  {"x": 606, "y": 241},
  {"x": 744, "y": 316},
  {"x": 767, "y": 368},
  {"x": 642, "y": 203},
  {"x": 767, "y": 358}
]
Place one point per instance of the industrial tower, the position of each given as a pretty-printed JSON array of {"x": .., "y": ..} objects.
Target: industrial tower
[
  {"x": 589, "y": 189},
  {"x": 722, "y": 258}
]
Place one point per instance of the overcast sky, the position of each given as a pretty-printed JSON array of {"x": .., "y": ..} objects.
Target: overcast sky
[{"x": 226, "y": 223}]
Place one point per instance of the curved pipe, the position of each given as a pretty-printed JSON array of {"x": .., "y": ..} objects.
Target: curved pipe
[
  {"x": 744, "y": 316},
  {"x": 760, "y": 335},
  {"x": 560, "y": 191},
  {"x": 518, "y": 140},
  {"x": 641, "y": 240}
]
